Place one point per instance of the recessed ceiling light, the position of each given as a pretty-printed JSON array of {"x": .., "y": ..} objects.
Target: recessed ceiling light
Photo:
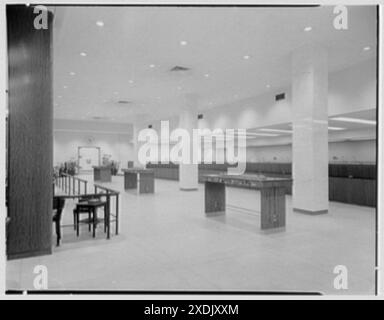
[
  {"x": 275, "y": 130},
  {"x": 72, "y": 73},
  {"x": 130, "y": 81},
  {"x": 183, "y": 43},
  {"x": 367, "y": 48},
  {"x": 59, "y": 97},
  {"x": 206, "y": 75},
  {"x": 268, "y": 86},
  {"x": 255, "y": 134},
  {"x": 100, "y": 23},
  {"x": 307, "y": 29},
  {"x": 115, "y": 92},
  {"x": 65, "y": 87},
  {"x": 210, "y": 103},
  {"x": 354, "y": 120},
  {"x": 336, "y": 128},
  {"x": 151, "y": 65},
  {"x": 246, "y": 57},
  {"x": 83, "y": 54},
  {"x": 329, "y": 128}
]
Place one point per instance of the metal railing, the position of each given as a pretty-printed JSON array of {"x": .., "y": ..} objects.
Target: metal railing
[
  {"x": 71, "y": 184},
  {"x": 112, "y": 198},
  {"x": 68, "y": 184}
]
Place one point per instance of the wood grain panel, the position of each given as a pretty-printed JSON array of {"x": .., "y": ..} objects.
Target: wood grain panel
[
  {"x": 272, "y": 208},
  {"x": 147, "y": 182},
  {"x": 30, "y": 151},
  {"x": 130, "y": 180},
  {"x": 354, "y": 191},
  {"x": 214, "y": 198}
]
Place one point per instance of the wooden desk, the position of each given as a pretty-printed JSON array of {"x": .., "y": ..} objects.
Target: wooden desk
[
  {"x": 272, "y": 195},
  {"x": 146, "y": 178},
  {"x": 102, "y": 173}
]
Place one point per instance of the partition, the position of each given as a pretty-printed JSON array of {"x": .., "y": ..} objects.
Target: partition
[{"x": 30, "y": 144}]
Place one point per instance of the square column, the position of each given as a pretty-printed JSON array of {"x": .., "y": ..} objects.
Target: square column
[
  {"x": 137, "y": 125},
  {"x": 188, "y": 173},
  {"x": 310, "y": 129}
]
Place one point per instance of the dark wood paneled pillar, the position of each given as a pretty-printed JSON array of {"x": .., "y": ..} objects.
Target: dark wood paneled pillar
[{"x": 30, "y": 145}]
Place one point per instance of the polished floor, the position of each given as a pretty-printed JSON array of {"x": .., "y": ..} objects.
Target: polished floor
[{"x": 167, "y": 243}]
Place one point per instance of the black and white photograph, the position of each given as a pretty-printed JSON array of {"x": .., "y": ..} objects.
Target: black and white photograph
[{"x": 191, "y": 149}]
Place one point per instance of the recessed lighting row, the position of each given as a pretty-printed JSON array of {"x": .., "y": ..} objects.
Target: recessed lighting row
[
  {"x": 329, "y": 128},
  {"x": 275, "y": 130},
  {"x": 354, "y": 120}
]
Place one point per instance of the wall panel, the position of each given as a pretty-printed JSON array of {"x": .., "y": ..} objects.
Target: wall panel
[{"x": 30, "y": 149}]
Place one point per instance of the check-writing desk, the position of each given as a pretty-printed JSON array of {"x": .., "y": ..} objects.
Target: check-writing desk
[
  {"x": 272, "y": 195},
  {"x": 102, "y": 173},
  {"x": 146, "y": 179}
]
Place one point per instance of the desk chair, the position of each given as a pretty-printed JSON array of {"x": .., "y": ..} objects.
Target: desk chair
[
  {"x": 78, "y": 211},
  {"x": 89, "y": 206}
]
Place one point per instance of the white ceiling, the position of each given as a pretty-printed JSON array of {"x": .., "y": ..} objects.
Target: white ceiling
[{"x": 133, "y": 38}]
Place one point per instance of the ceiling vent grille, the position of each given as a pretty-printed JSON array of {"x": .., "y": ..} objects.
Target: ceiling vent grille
[
  {"x": 123, "y": 102},
  {"x": 280, "y": 96},
  {"x": 178, "y": 69}
]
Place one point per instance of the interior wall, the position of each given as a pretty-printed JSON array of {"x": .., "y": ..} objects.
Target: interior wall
[
  {"x": 345, "y": 151},
  {"x": 351, "y": 89},
  {"x": 118, "y": 145}
]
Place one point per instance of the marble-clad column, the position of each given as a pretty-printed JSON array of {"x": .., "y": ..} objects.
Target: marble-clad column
[
  {"x": 310, "y": 129},
  {"x": 188, "y": 173},
  {"x": 137, "y": 125}
]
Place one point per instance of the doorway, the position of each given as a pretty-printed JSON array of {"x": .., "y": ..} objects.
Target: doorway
[{"x": 88, "y": 157}]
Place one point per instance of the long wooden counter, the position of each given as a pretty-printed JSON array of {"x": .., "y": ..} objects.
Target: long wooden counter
[
  {"x": 146, "y": 178},
  {"x": 272, "y": 190},
  {"x": 352, "y": 183}
]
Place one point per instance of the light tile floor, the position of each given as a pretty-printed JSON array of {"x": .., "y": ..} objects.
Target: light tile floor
[{"x": 167, "y": 243}]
